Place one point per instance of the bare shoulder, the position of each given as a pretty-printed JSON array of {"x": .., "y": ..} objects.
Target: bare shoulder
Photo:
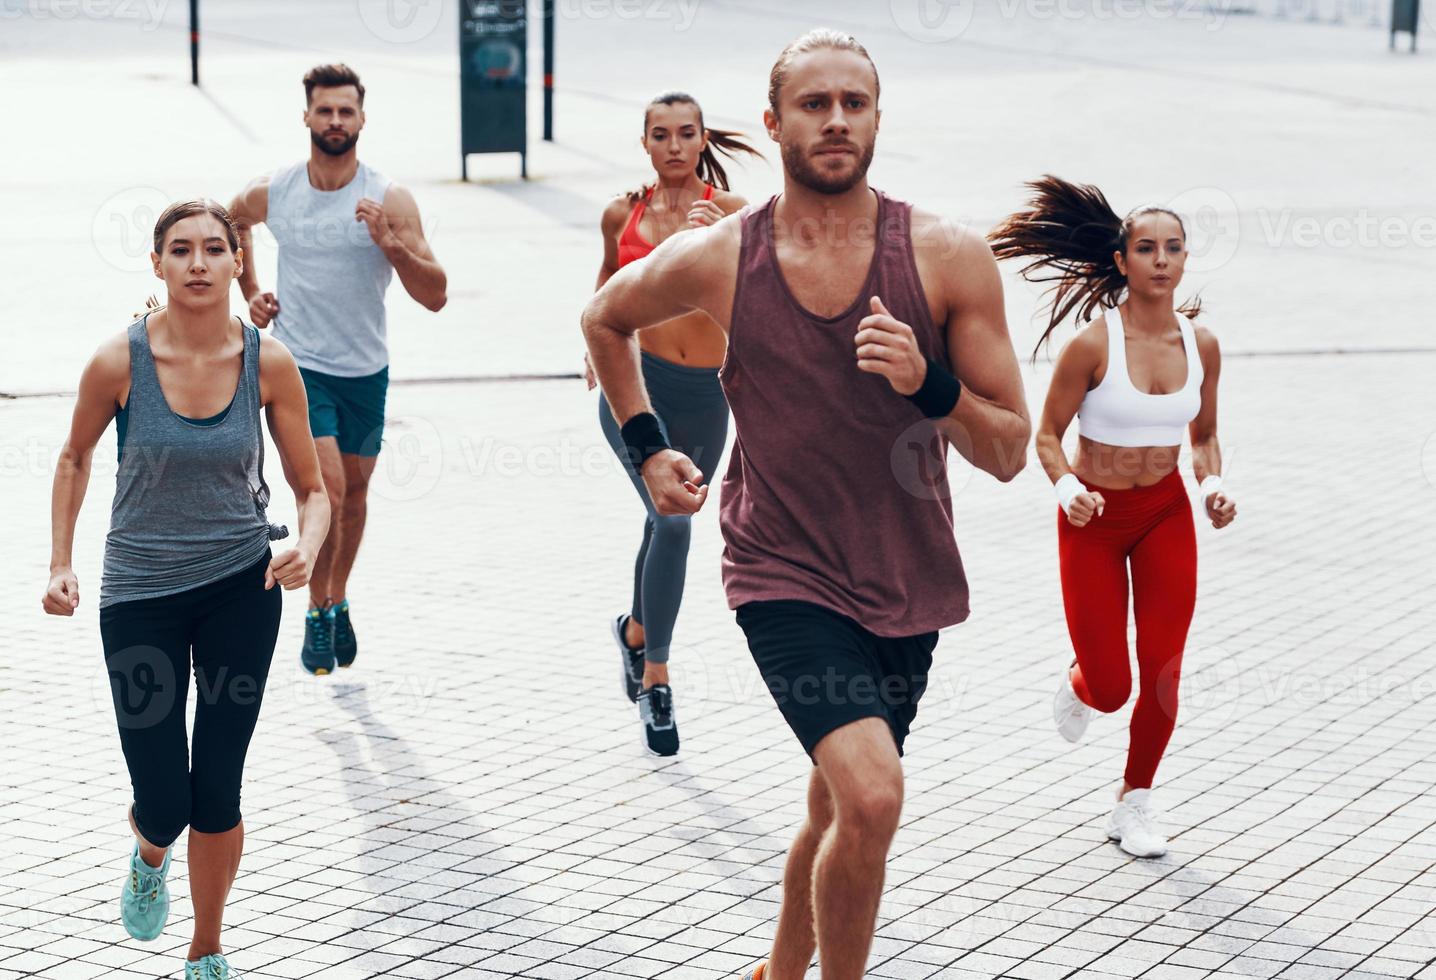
[
  {"x": 397, "y": 197},
  {"x": 615, "y": 214},
  {"x": 1089, "y": 346},
  {"x": 112, "y": 357},
  {"x": 252, "y": 203},
  {"x": 107, "y": 374},
  {"x": 273, "y": 355},
  {"x": 957, "y": 239},
  {"x": 1207, "y": 344},
  {"x": 728, "y": 201}
]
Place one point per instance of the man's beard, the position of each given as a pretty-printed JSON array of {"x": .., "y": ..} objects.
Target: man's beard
[
  {"x": 801, "y": 169},
  {"x": 333, "y": 149}
]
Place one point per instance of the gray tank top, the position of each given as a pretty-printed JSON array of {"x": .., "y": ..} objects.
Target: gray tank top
[
  {"x": 189, "y": 497},
  {"x": 332, "y": 277}
]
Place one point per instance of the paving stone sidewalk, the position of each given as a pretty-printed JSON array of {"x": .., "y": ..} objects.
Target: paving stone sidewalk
[{"x": 471, "y": 798}]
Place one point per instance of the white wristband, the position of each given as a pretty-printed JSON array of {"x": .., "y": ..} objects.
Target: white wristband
[
  {"x": 1067, "y": 488},
  {"x": 1210, "y": 486}
]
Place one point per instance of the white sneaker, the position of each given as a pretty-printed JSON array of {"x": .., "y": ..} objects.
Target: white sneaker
[
  {"x": 1134, "y": 826},
  {"x": 1068, "y": 711}
]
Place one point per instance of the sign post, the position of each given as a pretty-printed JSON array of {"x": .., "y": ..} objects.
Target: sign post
[
  {"x": 493, "y": 90},
  {"x": 194, "y": 42},
  {"x": 548, "y": 14}
]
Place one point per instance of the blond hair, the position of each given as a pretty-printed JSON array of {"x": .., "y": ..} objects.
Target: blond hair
[{"x": 819, "y": 39}]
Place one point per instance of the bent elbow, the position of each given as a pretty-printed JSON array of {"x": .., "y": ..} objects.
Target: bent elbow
[{"x": 435, "y": 305}]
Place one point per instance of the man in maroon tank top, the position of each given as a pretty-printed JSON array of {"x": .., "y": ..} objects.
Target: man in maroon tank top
[{"x": 864, "y": 337}]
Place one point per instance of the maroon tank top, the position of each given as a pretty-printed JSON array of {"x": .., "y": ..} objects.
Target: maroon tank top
[{"x": 837, "y": 489}]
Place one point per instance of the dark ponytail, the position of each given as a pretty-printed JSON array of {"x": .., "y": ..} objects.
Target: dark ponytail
[
  {"x": 1070, "y": 232},
  {"x": 720, "y": 142}
]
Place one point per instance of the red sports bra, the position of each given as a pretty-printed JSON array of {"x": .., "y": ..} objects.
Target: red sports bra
[{"x": 632, "y": 246}]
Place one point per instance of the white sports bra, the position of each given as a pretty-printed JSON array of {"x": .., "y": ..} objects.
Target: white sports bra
[{"x": 1117, "y": 414}]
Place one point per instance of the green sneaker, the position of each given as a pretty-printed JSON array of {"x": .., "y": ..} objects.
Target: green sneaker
[
  {"x": 346, "y": 647},
  {"x": 145, "y": 900},
  {"x": 317, "y": 656},
  {"x": 211, "y": 967}
]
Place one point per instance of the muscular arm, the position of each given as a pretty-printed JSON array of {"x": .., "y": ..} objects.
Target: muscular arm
[
  {"x": 287, "y": 414},
  {"x": 692, "y": 270},
  {"x": 989, "y": 425},
  {"x": 248, "y": 209},
  {"x": 408, "y": 250},
  {"x": 1076, "y": 365},
  {"x": 1206, "y": 450}
]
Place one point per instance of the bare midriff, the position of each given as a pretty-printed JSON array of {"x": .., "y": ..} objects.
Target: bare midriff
[
  {"x": 693, "y": 340},
  {"x": 1123, "y": 467}
]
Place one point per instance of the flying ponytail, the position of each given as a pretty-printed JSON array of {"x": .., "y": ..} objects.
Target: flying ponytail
[{"x": 1069, "y": 233}]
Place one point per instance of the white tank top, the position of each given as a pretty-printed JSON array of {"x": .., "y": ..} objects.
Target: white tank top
[
  {"x": 332, "y": 277},
  {"x": 1117, "y": 414}
]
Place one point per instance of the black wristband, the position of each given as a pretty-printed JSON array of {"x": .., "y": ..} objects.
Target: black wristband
[
  {"x": 643, "y": 437},
  {"x": 939, "y": 392}
]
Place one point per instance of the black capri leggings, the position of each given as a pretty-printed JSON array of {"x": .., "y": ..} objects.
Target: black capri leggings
[{"x": 231, "y": 625}]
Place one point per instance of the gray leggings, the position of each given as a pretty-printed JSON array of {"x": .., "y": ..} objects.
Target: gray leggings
[{"x": 693, "y": 413}]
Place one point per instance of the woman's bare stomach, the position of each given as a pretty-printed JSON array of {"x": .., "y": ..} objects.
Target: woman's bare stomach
[
  {"x": 694, "y": 340},
  {"x": 1123, "y": 467}
]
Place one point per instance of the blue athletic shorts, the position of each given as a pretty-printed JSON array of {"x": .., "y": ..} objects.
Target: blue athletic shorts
[{"x": 351, "y": 410}]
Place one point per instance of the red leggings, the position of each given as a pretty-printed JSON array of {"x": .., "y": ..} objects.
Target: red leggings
[{"x": 1152, "y": 527}]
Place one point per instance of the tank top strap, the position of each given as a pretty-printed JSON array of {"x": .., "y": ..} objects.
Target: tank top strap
[
  {"x": 144, "y": 376},
  {"x": 707, "y": 192}
]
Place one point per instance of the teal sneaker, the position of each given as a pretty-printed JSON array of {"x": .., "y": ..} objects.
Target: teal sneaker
[
  {"x": 211, "y": 967},
  {"x": 145, "y": 900},
  {"x": 318, "y": 653},
  {"x": 346, "y": 647}
]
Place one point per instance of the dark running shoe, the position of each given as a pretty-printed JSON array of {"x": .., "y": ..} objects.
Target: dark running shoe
[
  {"x": 318, "y": 653},
  {"x": 346, "y": 647},
  {"x": 660, "y": 730},
  {"x": 632, "y": 659}
]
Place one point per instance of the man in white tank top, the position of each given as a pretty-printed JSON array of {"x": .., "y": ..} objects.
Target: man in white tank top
[{"x": 343, "y": 230}]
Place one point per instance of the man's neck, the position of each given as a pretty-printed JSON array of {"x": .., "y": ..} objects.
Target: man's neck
[
  {"x": 813, "y": 218},
  {"x": 329, "y": 173}
]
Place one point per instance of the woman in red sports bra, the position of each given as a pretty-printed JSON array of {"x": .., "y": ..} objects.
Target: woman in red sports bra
[{"x": 680, "y": 369}]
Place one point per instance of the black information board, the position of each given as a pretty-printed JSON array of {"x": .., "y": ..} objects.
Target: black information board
[{"x": 493, "y": 73}]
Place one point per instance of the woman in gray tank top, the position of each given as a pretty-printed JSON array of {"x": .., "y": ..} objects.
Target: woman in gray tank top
[{"x": 189, "y": 579}]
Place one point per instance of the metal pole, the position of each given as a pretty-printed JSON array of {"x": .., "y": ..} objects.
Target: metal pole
[
  {"x": 194, "y": 42},
  {"x": 548, "y": 18}
]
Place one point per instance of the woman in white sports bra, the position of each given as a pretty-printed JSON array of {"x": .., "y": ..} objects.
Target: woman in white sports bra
[{"x": 1139, "y": 375}]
